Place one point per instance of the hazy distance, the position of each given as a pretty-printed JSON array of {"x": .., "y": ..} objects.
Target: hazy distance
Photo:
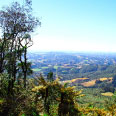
[{"x": 74, "y": 25}]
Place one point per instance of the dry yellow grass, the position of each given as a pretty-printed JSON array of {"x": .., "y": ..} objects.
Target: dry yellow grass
[
  {"x": 105, "y": 78},
  {"x": 89, "y": 83},
  {"x": 92, "y": 82},
  {"x": 107, "y": 94},
  {"x": 74, "y": 80}
]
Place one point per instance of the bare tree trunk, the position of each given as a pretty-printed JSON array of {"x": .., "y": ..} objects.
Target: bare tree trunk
[{"x": 25, "y": 63}]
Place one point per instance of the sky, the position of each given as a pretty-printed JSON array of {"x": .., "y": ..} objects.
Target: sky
[{"x": 74, "y": 25}]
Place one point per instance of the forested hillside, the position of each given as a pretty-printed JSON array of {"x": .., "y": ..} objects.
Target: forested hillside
[{"x": 74, "y": 65}]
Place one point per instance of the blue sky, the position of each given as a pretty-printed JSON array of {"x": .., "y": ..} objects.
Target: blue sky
[{"x": 74, "y": 25}]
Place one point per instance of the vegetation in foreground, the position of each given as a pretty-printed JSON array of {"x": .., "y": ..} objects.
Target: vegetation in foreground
[{"x": 48, "y": 97}]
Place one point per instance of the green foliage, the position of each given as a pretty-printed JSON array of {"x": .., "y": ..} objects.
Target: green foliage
[
  {"x": 20, "y": 101},
  {"x": 51, "y": 98},
  {"x": 23, "y": 115},
  {"x": 45, "y": 114},
  {"x": 57, "y": 95},
  {"x": 50, "y": 76}
]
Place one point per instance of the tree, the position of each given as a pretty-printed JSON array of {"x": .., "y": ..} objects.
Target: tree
[
  {"x": 16, "y": 22},
  {"x": 53, "y": 92},
  {"x": 50, "y": 76},
  {"x": 68, "y": 105},
  {"x": 3, "y": 49},
  {"x": 48, "y": 91}
]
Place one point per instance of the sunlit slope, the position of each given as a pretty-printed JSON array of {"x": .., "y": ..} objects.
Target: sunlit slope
[{"x": 87, "y": 83}]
